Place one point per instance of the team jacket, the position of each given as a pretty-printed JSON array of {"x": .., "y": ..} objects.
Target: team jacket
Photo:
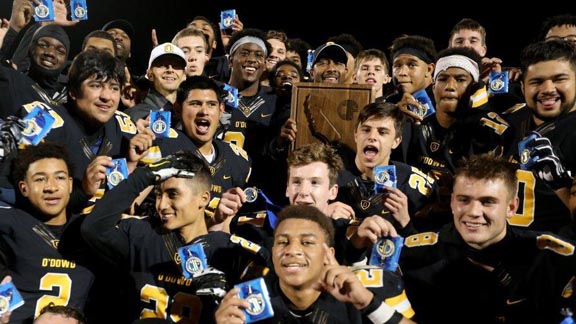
[
  {"x": 47, "y": 263},
  {"x": 539, "y": 207},
  {"x": 150, "y": 255},
  {"x": 533, "y": 277},
  {"x": 230, "y": 168},
  {"x": 385, "y": 285}
]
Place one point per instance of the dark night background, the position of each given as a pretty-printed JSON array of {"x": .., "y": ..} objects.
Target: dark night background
[{"x": 507, "y": 31}]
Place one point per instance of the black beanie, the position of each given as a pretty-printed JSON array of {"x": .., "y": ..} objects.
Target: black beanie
[{"x": 53, "y": 31}]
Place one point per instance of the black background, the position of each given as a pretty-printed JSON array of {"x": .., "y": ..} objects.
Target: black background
[{"x": 508, "y": 30}]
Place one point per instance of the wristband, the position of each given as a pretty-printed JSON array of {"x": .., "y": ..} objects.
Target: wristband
[{"x": 383, "y": 314}]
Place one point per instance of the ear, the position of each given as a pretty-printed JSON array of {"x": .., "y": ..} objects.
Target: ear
[
  {"x": 329, "y": 256},
  {"x": 512, "y": 207},
  {"x": 71, "y": 184},
  {"x": 72, "y": 94},
  {"x": 333, "y": 192},
  {"x": 430, "y": 71},
  {"x": 149, "y": 75},
  {"x": 483, "y": 51},
  {"x": 205, "y": 198},
  {"x": 23, "y": 188},
  {"x": 397, "y": 141}
]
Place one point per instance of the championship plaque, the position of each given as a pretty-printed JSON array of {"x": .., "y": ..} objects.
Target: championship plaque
[{"x": 327, "y": 112}]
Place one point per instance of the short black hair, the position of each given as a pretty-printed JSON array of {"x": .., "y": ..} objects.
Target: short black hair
[
  {"x": 550, "y": 50},
  {"x": 383, "y": 110},
  {"x": 94, "y": 62},
  {"x": 198, "y": 82},
  {"x": 30, "y": 154},
  {"x": 99, "y": 34},
  {"x": 310, "y": 213},
  {"x": 555, "y": 21},
  {"x": 272, "y": 74},
  {"x": 419, "y": 43}
]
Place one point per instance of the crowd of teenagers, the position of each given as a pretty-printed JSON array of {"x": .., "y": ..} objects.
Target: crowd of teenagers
[{"x": 180, "y": 196}]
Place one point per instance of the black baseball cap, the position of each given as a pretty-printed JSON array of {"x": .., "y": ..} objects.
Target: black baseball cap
[
  {"x": 122, "y": 24},
  {"x": 332, "y": 51}
]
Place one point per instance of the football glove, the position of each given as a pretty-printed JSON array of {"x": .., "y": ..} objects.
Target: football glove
[
  {"x": 210, "y": 282},
  {"x": 171, "y": 166},
  {"x": 547, "y": 165},
  {"x": 10, "y": 135}
]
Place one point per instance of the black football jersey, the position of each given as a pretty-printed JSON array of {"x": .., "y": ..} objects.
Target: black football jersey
[
  {"x": 539, "y": 207},
  {"x": 385, "y": 285},
  {"x": 533, "y": 277},
  {"x": 47, "y": 263},
  {"x": 230, "y": 168},
  {"x": 360, "y": 195},
  {"x": 150, "y": 255}
]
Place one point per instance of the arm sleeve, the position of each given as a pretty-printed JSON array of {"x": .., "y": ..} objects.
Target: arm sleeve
[{"x": 99, "y": 228}]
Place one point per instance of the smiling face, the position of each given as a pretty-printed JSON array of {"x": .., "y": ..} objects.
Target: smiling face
[
  {"x": 310, "y": 185},
  {"x": 298, "y": 253},
  {"x": 123, "y": 43},
  {"x": 97, "y": 100},
  {"x": 549, "y": 88},
  {"x": 166, "y": 73},
  {"x": 247, "y": 63},
  {"x": 181, "y": 203},
  {"x": 375, "y": 138},
  {"x": 480, "y": 208},
  {"x": 49, "y": 53},
  {"x": 277, "y": 54},
  {"x": 48, "y": 186}
]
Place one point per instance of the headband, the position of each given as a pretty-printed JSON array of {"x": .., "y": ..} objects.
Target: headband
[
  {"x": 413, "y": 51},
  {"x": 457, "y": 61},
  {"x": 246, "y": 40}
]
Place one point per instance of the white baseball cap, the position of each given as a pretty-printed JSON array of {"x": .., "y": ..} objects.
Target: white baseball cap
[{"x": 166, "y": 49}]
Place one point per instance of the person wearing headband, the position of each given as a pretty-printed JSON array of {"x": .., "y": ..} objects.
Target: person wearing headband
[{"x": 461, "y": 125}]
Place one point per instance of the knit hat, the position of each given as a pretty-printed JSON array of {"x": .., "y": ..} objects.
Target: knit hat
[{"x": 53, "y": 31}]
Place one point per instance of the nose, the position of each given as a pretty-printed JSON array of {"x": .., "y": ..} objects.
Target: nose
[
  {"x": 304, "y": 189},
  {"x": 51, "y": 185},
  {"x": 293, "y": 248},
  {"x": 475, "y": 209},
  {"x": 548, "y": 86}
]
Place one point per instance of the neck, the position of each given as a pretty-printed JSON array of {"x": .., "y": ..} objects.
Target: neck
[
  {"x": 193, "y": 230},
  {"x": 301, "y": 299},
  {"x": 57, "y": 221},
  {"x": 245, "y": 88},
  {"x": 169, "y": 95},
  {"x": 206, "y": 148},
  {"x": 444, "y": 119}
]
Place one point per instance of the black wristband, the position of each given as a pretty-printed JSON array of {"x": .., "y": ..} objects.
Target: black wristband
[
  {"x": 395, "y": 319},
  {"x": 372, "y": 306}
]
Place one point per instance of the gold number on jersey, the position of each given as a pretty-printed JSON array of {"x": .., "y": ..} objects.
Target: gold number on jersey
[
  {"x": 370, "y": 277},
  {"x": 157, "y": 296},
  {"x": 126, "y": 124},
  {"x": 525, "y": 213},
  {"x": 183, "y": 303},
  {"x": 239, "y": 151},
  {"x": 421, "y": 239},
  {"x": 420, "y": 181},
  {"x": 495, "y": 122},
  {"x": 236, "y": 138},
  {"x": 49, "y": 281}
]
